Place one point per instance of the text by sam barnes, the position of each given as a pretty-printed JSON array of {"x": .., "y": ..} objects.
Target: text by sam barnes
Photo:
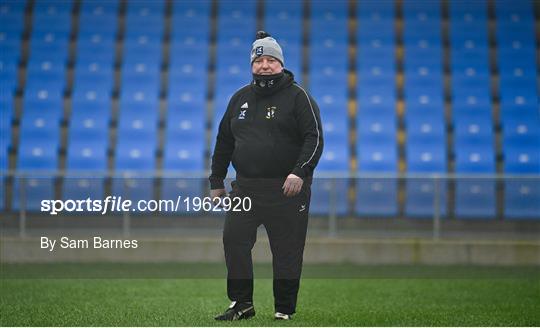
[{"x": 94, "y": 242}]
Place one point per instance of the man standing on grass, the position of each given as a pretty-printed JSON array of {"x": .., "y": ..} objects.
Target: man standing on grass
[{"x": 272, "y": 133}]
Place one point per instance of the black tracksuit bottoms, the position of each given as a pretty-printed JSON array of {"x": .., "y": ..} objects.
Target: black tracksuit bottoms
[{"x": 285, "y": 220}]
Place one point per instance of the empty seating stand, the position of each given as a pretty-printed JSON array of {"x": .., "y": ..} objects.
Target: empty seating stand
[{"x": 105, "y": 86}]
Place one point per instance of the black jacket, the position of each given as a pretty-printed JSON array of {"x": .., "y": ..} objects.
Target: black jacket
[{"x": 271, "y": 128}]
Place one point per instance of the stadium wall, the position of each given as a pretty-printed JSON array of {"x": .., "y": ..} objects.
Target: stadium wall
[{"x": 318, "y": 250}]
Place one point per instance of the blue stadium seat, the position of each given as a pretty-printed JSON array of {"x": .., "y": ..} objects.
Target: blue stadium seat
[
  {"x": 92, "y": 75},
  {"x": 188, "y": 78},
  {"x": 514, "y": 11},
  {"x": 429, "y": 128},
  {"x": 376, "y": 50},
  {"x": 376, "y": 10},
  {"x": 426, "y": 157},
  {"x": 376, "y": 129},
  {"x": 137, "y": 125},
  {"x": 472, "y": 13},
  {"x": 332, "y": 102},
  {"x": 80, "y": 186},
  {"x": 53, "y": 7},
  {"x": 191, "y": 19},
  {"x": 12, "y": 7},
  {"x": 335, "y": 157},
  {"x": 189, "y": 50},
  {"x": 422, "y": 51},
  {"x": 518, "y": 77},
  {"x": 335, "y": 126},
  {"x": 143, "y": 48},
  {"x": 183, "y": 187},
  {"x": 423, "y": 76},
  {"x": 377, "y": 157},
  {"x": 145, "y": 16},
  {"x": 522, "y": 198},
  {"x": 237, "y": 20},
  {"x": 186, "y": 100},
  {"x": 49, "y": 44},
  {"x": 328, "y": 52},
  {"x": 334, "y": 76},
  {"x": 473, "y": 129},
  {"x": 375, "y": 76},
  {"x": 47, "y": 71},
  {"x": 43, "y": 99},
  {"x": 516, "y": 50},
  {"x": 99, "y": 8},
  {"x": 185, "y": 124},
  {"x": 424, "y": 101},
  {"x": 424, "y": 25},
  {"x": 376, "y": 197},
  {"x": 135, "y": 155},
  {"x": 89, "y": 126},
  {"x": 470, "y": 76},
  {"x": 420, "y": 197},
  {"x": 522, "y": 160},
  {"x": 421, "y": 11},
  {"x": 141, "y": 74},
  {"x": 329, "y": 195},
  {"x": 86, "y": 155},
  {"x": 477, "y": 159},
  {"x": 135, "y": 98},
  {"x": 521, "y": 131},
  {"x": 96, "y": 47},
  {"x": 86, "y": 100},
  {"x": 513, "y": 104},
  {"x": 105, "y": 23},
  {"x": 323, "y": 29},
  {"x": 8, "y": 77},
  {"x": 36, "y": 188},
  {"x": 184, "y": 155},
  {"x": 44, "y": 126},
  {"x": 192, "y": 9},
  {"x": 135, "y": 187},
  {"x": 475, "y": 198},
  {"x": 466, "y": 106},
  {"x": 35, "y": 156},
  {"x": 52, "y": 15},
  {"x": 335, "y": 10}
]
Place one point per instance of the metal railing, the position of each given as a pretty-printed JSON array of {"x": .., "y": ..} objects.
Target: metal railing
[{"x": 442, "y": 189}]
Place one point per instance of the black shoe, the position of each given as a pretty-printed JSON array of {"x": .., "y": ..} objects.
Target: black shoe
[{"x": 237, "y": 311}]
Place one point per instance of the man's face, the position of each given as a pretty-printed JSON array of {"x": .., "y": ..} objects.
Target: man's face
[{"x": 266, "y": 65}]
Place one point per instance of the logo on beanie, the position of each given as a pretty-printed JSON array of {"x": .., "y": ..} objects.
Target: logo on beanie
[{"x": 259, "y": 51}]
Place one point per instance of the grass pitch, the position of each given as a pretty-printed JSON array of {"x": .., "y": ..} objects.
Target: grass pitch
[{"x": 475, "y": 296}]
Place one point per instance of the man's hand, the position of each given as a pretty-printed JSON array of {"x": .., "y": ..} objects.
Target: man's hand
[
  {"x": 217, "y": 193},
  {"x": 292, "y": 186}
]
